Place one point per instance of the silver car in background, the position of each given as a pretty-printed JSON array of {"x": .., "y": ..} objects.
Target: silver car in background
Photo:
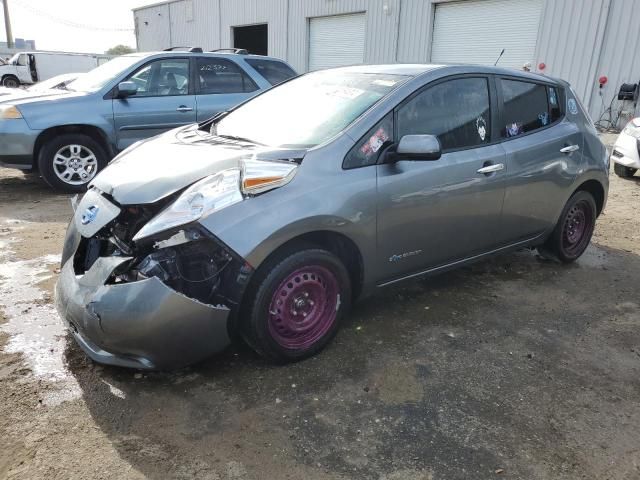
[{"x": 268, "y": 221}]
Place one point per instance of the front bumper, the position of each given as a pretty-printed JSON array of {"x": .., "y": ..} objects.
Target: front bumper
[
  {"x": 17, "y": 142},
  {"x": 626, "y": 151},
  {"x": 143, "y": 324}
]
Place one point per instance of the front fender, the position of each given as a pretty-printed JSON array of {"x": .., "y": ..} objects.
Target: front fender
[{"x": 258, "y": 226}]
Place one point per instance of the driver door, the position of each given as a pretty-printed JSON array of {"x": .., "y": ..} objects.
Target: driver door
[
  {"x": 164, "y": 100},
  {"x": 435, "y": 212}
]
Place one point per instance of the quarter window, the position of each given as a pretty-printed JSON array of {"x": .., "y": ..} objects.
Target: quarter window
[
  {"x": 527, "y": 107},
  {"x": 367, "y": 151},
  {"x": 217, "y": 75},
  {"x": 274, "y": 72},
  {"x": 456, "y": 111},
  {"x": 554, "y": 104},
  {"x": 162, "y": 78}
]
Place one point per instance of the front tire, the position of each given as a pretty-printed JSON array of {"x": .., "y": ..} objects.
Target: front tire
[
  {"x": 70, "y": 161},
  {"x": 574, "y": 229},
  {"x": 296, "y": 304},
  {"x": 624, "y": 172},
  {"x": 10, "y": 81}
]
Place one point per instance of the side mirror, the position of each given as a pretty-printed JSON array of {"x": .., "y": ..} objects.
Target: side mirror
[
  {"x": 127, "y": 89},
  {"x": 419, "y": 147}
]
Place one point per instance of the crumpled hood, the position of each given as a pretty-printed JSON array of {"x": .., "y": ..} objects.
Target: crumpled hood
[{"x": 154, "y": 168}]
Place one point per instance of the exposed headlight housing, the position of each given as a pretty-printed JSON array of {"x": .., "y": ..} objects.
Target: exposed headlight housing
[
  {"x": 9, "y": 112},
  {"x": 218, "y": 191},
  {"x": 202, "y": 198}
]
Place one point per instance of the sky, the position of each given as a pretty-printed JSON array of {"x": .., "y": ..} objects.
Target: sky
[{"x": 91, "y": 26}]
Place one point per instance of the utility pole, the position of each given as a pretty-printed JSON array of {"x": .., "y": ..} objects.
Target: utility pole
[{"x": 7, "y": 23}]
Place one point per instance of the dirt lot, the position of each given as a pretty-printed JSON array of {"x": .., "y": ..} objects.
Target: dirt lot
[{"x": 512, "y": 368}]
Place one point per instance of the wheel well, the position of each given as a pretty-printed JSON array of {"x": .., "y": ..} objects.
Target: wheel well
[
  {"x": 95, "y": 133},
  {"x": 596, "y": 189},
  {"x": 341, "y": 246}
]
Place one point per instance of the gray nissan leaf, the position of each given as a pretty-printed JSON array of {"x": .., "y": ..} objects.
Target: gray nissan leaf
[{"x": 267, "y": 221}]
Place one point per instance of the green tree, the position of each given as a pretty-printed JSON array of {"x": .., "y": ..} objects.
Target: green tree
[{"x": 119, "y": 50}]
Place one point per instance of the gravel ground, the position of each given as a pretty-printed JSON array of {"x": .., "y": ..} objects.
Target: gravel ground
[{"x": 512, "y": 368}]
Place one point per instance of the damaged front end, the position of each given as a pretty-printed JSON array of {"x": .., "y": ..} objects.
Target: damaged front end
[{"x": 159, "y": 302}]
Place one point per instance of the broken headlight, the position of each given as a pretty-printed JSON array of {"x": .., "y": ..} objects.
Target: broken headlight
[{"x": 202, "y": 198}]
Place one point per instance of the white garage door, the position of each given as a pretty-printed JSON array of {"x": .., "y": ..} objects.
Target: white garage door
[
  {"x": 476, "y": 31},
  {"x": 336, "y": 41}
]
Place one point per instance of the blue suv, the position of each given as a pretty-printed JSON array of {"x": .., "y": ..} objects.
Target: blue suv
[{"x": 70, "y": 135}]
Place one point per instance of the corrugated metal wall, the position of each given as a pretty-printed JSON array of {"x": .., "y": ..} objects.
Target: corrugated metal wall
[
  {"x": 619, "y": 57},
  {"x": 570, "y": 39},
  {"x": 578, "y": 40},
  {"x": 152, "y": 28},
  {"x": 381, "y": 27}
]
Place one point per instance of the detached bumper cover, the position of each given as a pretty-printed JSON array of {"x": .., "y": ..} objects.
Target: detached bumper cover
[{"x": 142, "y": 324}]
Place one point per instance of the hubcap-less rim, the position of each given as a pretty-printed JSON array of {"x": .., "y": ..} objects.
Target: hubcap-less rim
[
  {"x": 75, "y": 164},
  {"x": 304, "y": 307},
  {"x": 577, "y": 225}
]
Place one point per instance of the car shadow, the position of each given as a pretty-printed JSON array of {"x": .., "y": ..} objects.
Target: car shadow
[{"x": 455, "y": 376}]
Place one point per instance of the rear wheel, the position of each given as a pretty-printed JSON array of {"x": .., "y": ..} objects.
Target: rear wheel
[
  {"x": 10, "y": 81},
  {"x": 624, "y": 172},
  {"x": 574, "y": 229},
  {"x": 70, "y": 161},
  {"x": 296, "y": 304}
]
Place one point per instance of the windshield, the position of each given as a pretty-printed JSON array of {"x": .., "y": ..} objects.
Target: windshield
[
  {"x": 308, "y": 110},
  {"x": 100, "y": 76}
]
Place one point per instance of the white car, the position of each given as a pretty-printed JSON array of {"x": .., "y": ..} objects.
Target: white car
[
  {"x": 57, "y": 82},
  {"x": 626, "y": 155}
]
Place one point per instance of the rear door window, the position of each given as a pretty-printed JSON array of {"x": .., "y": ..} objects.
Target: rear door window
[
  {"x": 456, "y": 111},
  {"x": 274, "y": 72},
  {"x": 218, "y": 75},
  {"x": 528, "y": 107}
]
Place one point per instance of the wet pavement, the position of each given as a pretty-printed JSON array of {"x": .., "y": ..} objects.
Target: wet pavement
[{"x": 512, "y": 368}]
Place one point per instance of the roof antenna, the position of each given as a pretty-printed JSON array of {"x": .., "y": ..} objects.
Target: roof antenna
[{"x": 499, "y": 57}]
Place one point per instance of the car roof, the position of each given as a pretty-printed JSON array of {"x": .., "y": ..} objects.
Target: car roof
[
  {"x": 173, "y": 53},
  {"x": 417, "y": 69}
]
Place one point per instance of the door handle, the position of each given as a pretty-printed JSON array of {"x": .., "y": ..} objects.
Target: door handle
[
  {"x": 491, "y": 168},
  {"x": 570, "y": 149},
  {"x": 184, "y": 108}
]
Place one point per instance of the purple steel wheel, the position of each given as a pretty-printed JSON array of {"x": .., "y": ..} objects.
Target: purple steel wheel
[
  {"x": 304, "y": 307},
  {"x": 577, "y": 228}
]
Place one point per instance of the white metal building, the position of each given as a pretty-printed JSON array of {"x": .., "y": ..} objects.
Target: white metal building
[{"x": 578, "y": 40}]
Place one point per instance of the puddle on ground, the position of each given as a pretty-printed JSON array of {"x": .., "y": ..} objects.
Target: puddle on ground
[{"x": 33, "y": 325}]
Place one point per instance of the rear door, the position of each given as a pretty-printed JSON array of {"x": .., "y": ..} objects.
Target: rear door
[
  {"x": 165, "y": 100},
  {"x": 543, "y": 153},
  {"x": 22, "y": 69},
  {"x": 432, "y": 213},
  {"x": 220, "y": 85}
]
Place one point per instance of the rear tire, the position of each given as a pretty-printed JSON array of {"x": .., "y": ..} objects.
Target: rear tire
[
  {"x": 574, "y": 229},
  {"x": 10, "y": 81},
  {"x": 624, "y": 172},
  {"x": 70, "y": 161},
  {"x": 296, "y": 303}
]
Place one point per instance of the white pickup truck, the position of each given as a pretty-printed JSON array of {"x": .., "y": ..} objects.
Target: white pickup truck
[{"x": 26, "y": 68}]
